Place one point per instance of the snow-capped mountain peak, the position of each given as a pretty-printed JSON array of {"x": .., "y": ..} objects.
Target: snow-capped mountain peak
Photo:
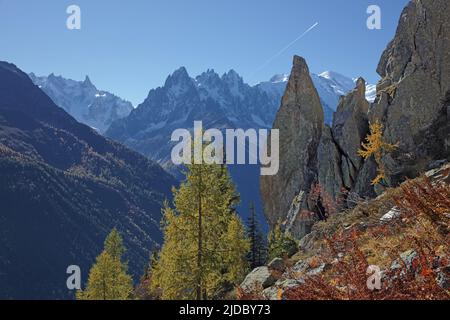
[
  {"x": 284, "y": 77},
  {"x": 83, "y": 100}
]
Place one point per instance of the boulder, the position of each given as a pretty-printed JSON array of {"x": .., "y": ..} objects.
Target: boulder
[
  {"x": 271, "y": 293},
  {"x": 277, "y": 264},
  {"x": 276, "y": 292},
  {"x": 300, "y": 267},
  {"x": 443, "y": 278},
  {"x": 406, "y": 260},
  {"x": 259, "y": 278}
]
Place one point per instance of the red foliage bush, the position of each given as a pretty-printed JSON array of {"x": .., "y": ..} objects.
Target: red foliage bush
[
  {"x": 347, "y": 279},
  {"x": 421, "y": 201}
]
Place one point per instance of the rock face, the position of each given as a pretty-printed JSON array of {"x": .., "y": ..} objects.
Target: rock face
[
  {"x": 415, "y": 85},
  {"x": 300, "y": 121},
  {"x": 350, "y": 125},
  {"x": 330, "y": 171},
  {"x": 339, "y": 163},
  {"x": 313, "y": 153},
  {"x": 329, "y": 158}
]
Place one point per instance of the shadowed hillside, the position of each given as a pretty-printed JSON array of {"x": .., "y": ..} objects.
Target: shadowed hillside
[{"x": 63, "y": 188}]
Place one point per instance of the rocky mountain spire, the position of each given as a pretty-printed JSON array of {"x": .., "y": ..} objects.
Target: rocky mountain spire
[
  {"x": 300, "y": 121},
  {"x": 87, "y": 82},
  {"x": 179, "y": 77}
]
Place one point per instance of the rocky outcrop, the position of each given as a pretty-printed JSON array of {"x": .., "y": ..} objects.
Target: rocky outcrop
[
  {"x": 339, "y": 163},
  {"x": 412, "y": 104},
  {"x": 411, "y": 97},
  {"x": 350, "y": 127},
  {"x": 328, "y": 157},
  {"x": 300, "y": 121}
]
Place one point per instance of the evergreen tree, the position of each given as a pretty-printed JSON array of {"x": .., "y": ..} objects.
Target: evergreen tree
[
  {"x": 281, "y": 245},
  {"x": 257, "y": 254},
  {"x": 144, "y": 290},
  {"x": 114, "y": 244},
  {"x": 204, "y": 242},
  {"x": 237, "y": 246},
  {"x": 261, "y": 249},
  {"x": 108, "y": 278}
]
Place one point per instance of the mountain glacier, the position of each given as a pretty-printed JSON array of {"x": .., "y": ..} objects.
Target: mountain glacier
[{"x": 82, "y": 100}]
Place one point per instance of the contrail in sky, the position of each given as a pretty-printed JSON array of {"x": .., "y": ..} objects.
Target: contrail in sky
[{"x": 286, "y": 47}]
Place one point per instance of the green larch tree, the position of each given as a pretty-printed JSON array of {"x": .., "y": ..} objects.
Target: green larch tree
[
  {"x": 198, "y": 255},
  {"x": 108, "y": 278}
]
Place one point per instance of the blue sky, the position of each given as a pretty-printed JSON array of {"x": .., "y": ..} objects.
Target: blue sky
[{"x": 129, "y": 47}]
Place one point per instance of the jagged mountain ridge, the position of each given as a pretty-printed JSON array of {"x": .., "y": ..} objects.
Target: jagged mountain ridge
[
  {"x": 63, "y": 188},
  {"x": 82, "y": 100},
  {"x": 242, "y": 105},
  {"x": 218, "y": 101}
]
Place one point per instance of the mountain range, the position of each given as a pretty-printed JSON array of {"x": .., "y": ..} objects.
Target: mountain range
[
  {"x": 220, "y": 101},
  {"x": 76, "y": 162},
  {"x": 238, "y": 100}
]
